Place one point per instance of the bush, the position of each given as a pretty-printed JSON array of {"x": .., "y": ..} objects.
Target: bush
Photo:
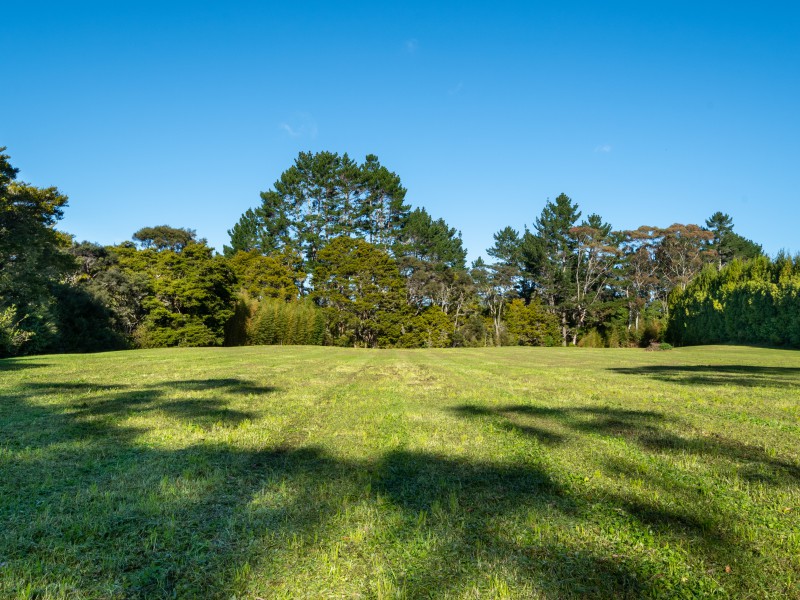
[
  {"x": 591, "y": 339},
  {"x": 276, "y": 321},
  {"x": 12, "y": 336}
]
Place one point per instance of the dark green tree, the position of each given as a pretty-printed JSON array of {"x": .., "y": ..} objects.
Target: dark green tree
[
  {"x": 190, "y": 295},
  {"x": 431, "y": 258},
  {"x": 552, "y": 258},
  {"x": 164, "y": 237},
  {"x": 596, "y": 261},
  {"x": 264, "y": 229},
  {"x": 33, "y": 259},
  {"x": 727, "y": 244},
  {"x": 323, "y": 196}
]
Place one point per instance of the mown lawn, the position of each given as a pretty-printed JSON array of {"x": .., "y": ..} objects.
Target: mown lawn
[{"x": 325, "y": 473}]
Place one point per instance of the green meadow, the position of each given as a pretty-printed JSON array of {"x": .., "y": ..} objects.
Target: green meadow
[{"x": 315, "y": 472}]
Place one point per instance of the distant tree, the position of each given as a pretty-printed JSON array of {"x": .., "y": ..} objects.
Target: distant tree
[
  {"x": 638, "y": 275},
  {"x": 321, "y": 197},
  {"x": 432, "y": 259},
  {"x": 120, "y": 290},
  {"x": 264, "y": 229},
  {"x": 681, "y": 254},
  {"x": 361, "y": 290},
  {"x": 273, "y": 276},
  {"x": 736, "y": 247},
  {"x": 432, "y": 241},
  {"x": 555, "y": 258},
  {"x": 755, "y": 302},
  {"x": 726, "y": 244},
  {"x": 495, "y": 285},
  {"x": 597, "y": 256},
  {"x": 381, "y": 209},
  {"x": 190, "y": 295},
  {"x": 432, "y": 328},
  {"x": 164, "y": 237},
  {"x": 531, "y": 324}
]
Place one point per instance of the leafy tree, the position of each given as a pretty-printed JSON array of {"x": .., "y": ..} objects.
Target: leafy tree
[
  {"x": 553, "y": 262},
  {"x": 736, "y": 247},
  {"x": 424, "y": 239},
  {"x": 190, "y": 295},
  {"x": 264, "y": 229},
  {"x": 754, "y": 302},
  {"x": 432, "y": 259},
  {"x": 681, "y": 254},
  {"x": 727, "y": 244},
  {"x": 638, "y": 275},
  {"x": 83, "y": 322},
  {"x": 32, "y": 258},
  {"x": 164, "y": 237},
  {"x": 321, "y": 197},
  {"x": 430, "y": 329},
  {"x": 531, "y": 324},
  {"x": 495, "y": 286},
  {"x": 267, "y": 276},
  {"x": 597, "y": 255},
  {"x": 12, "y": 336},
  {"x": 361, "y": 290}
]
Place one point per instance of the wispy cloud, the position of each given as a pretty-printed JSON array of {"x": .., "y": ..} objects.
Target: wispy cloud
[
  {"x": 411, "y": 45},
  {"x": 455, "y": 90},
  {"x": 300, "y": 125},
  {"x": 604, "y": 148}
]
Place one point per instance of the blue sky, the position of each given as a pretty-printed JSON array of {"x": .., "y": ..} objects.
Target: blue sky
[{"x": 182, "y": 112}]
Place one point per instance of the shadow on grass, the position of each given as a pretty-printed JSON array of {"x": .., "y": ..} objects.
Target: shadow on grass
[
  {"x": 16, "y": 364},
  {"x": 92, "y": 401},
  {"x": 718, "y": 375},
  {"x": 90, "y": 511},
  {"x": 648, "y": 429},
  {"x": 678, "y": 504}
]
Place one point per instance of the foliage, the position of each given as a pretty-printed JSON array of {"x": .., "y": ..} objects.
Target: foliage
[
  {"x": 12, "y": 336},
  {"x": 727, "y": 244},
  {"x": 755, "y": 301},
  {"x": 32, "y": 257},
  {"x": 83, "y": 322},
  {"x": 531, "y": 324},
  {"x": 321, "y": 197},
  {"x": 279, "y": 322},
  {"x": 393, "y": 276},
  {"x": 164, "y": 237},
  {"x": 361, "y": 290},
  {"x": 432, "y": 328},
  {"x": 190, "y": 295},
  {"x": 273, "y": 276}
]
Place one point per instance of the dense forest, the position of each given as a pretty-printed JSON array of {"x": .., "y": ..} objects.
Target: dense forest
[{"x": 334, "y": 255}]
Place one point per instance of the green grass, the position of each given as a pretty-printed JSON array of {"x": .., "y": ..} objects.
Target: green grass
[{"x": 326, "y": 473}]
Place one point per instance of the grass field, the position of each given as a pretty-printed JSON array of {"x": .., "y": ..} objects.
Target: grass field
[{"x": 326, "y": 473}]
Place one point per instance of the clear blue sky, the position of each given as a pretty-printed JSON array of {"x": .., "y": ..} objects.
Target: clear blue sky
[{"x": 182, "y": 112}]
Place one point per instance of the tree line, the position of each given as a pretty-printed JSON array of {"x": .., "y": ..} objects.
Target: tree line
[{"x": 334, "y": 255}]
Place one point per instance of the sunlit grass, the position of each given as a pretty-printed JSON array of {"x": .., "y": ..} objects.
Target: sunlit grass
[{"x": 318, "y": 472}]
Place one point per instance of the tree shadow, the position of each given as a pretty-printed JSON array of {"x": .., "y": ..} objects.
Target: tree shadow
[
  {"x": 111, "y": 516},
  {"x": 16, "y": 364},
  {"x": 92, "y": 400},
  {"x": 669, "y": 501},
  {"x": 648, "y": 429},
  {"x": 502, "y": 418},
  {"x": 718, "y": 375}
]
